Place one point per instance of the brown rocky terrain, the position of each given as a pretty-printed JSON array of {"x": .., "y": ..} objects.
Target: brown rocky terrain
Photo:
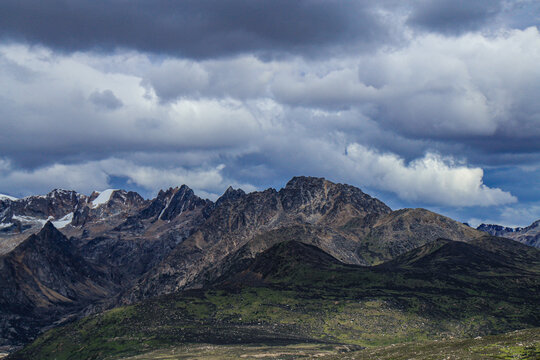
[
  {"x": 340, "y": 219},
  {"x": 44, "y": 277}
]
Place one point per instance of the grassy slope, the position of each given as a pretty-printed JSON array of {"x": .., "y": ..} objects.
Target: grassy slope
[
  {"x": 522, "y": 344},
  {"x": 297, "y": 294}
]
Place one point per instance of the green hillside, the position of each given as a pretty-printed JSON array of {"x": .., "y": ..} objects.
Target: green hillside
[{"x": 296, "y": 294}]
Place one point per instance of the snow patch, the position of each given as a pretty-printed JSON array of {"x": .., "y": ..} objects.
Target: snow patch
[
  {"x": 166, "y": 206},
  {"x": 31, "y": 219},
  {"x": 7, "y": 197},
  {"x": 64, "y": 221},
  {"x": 5, "y": 225},
  {"x": 102, "y": 198}
]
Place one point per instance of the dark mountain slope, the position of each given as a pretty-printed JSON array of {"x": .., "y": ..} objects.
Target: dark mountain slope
[
  {"x": 406, "y": 229},
  {"x": 487, "y": 254},
  {"x": 294, "y": 292},
  {"x": 144, "y": 238},
  {"x": 238, "y": 219},
  {"x": 340, "y": 219},
  {"x": 43, "y": 278}
]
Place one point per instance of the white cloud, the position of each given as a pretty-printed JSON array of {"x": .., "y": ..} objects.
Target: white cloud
[
  {"x": 180, "y": 120},
  {"x": 95, "y": 175},
  {"x": 432, "y": 87},
  {"x": 84, "y": 177},
  {"x": 61, "y": 116},
  {"x": 519, "y": 215},
  {"x": 429, "y": 179}
]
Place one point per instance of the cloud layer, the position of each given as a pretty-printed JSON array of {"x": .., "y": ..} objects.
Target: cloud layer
[
  {"x": 414, "y": 100},
  {"x": 192, "y": 28}
]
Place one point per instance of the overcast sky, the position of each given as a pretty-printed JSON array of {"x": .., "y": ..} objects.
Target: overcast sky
[{"x": 421, "y": 103}]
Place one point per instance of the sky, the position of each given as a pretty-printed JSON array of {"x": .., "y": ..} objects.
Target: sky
[{"x": 420, "y": 103}]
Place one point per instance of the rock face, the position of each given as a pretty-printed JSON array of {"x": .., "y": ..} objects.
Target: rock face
[
  {"x": 43, "y": 277},
  {"x": 529, "y": 235},
  {"x": 55, "y": 204},
  {"x": 497, "y": 230},
  {"x": 116, "y": 204},
  {"x": 20, "y": 218},
  {"x": 76, "y": 214},
  {"x": 339, "y": 219},
  {"x": 406, "y": 229}
]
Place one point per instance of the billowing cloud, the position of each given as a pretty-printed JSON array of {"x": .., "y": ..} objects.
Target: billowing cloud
[
  {"x": 89, "y": 176},
  {"x": 435, "y": 88},
  {"x": 417, "y": 100},
  {"x": 82, "y": 177},
  {"x": 430, "y": 179},
  {"x": 62, "y": 120},
  {"x": 513, "y": 216}
]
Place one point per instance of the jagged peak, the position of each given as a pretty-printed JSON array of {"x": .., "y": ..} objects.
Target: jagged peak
[
  {"x": 186, "y": 191},
  {"x": 163, "y": 193},
  {"x": 301, "y": 181},
  {"x": 311, "y": 183},
  {"x": 53, "y": 194},
  {"x": 229, "y": 195},
  {"x": 61, "y": 191},
  {"x": 171, "y": 191},
  {"x": 232, "y": 193},
  {"x": 49, "y": 226},
  {"x": 48, "y": 236}
]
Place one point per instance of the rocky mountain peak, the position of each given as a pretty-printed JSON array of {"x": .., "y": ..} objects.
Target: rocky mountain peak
[
  {"x": 300, "y": 182},
  {"x": 496, "y": 230},
  {"x": 62, "y": 193},
  {"x": 126, "y": 198},
  {"x": 230, "y": 194},
  {"x": 48, "y": 240},
  {"x": 316, "y": 198},
  {"x": 47, "y": 229},
  {"x": 184, "y": 199},
  {"x": 171, "y": 203},
  {"x": 32, "y": 211},
  {"x": 529, "y": 235}
]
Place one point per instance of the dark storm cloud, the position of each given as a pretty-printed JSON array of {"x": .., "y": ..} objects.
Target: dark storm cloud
[
  {"x": 454, "y": 16},
  {"x": 192, "y": 28}
]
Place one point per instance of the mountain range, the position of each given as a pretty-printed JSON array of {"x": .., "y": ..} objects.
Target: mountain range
[
  {"x": 529, "y": 235},
  {"x": 66, "y": 255}
]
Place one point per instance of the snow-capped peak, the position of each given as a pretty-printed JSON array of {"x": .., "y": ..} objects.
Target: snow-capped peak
[
  {"x": 103, "y": 198},
  {"x": 7, "y": 197}
]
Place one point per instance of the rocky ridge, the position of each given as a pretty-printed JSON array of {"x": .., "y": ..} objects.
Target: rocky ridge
[
  {"x": 76, "y": 214},
  {"x": 529, "y": 235},
  {"x": 339, "y": 219},
  {"x": 179, "y": 241},
  {"x": 43, "y": 277}
]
